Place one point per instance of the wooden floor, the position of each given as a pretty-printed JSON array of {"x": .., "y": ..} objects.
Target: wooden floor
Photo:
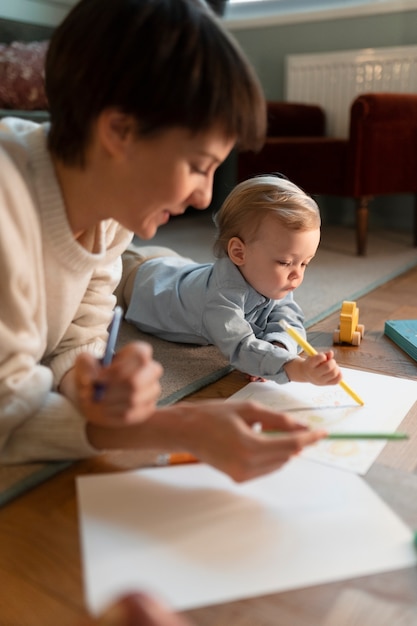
[{"x": 40, "y": 562}]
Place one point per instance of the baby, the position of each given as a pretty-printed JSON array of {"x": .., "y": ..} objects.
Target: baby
[{"x": 268, "y": 231}]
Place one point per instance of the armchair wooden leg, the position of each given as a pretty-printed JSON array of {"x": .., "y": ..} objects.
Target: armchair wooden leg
[
  {"x": 362, "y": 213},
  {"x": 415, "y": 221}
]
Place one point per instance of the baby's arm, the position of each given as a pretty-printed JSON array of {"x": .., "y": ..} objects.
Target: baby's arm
[
  {"x": 320, "y": 369},
  {"x": 259, "y": 379}
]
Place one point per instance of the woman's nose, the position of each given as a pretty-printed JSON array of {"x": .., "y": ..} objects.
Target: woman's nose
[{"x": 202, "y": 195}]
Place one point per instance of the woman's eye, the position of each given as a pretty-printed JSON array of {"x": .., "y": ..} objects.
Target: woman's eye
[{"x": 198, "y": 170}]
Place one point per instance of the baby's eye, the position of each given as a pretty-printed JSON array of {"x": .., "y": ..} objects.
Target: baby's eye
[
  {"x": 307, "y": 263},
  {"x": 284, "y": 263}
]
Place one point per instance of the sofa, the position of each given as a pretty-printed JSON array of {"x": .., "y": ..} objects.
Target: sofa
[{"x": 22, "y": 56}]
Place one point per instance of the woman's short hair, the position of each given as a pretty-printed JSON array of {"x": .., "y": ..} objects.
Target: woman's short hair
[
  {"x": 168, "y": 63},
  {"x": 252, "y": 200}
]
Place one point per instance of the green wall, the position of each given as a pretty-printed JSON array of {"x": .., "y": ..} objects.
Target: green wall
[{"x": 267, "y": 46}]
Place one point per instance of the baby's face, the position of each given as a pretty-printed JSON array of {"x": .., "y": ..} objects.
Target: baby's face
[{"x": 275, "y": 262}]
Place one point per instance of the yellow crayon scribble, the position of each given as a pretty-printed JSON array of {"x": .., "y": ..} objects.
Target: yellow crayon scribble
[
  {"x": 344, "y": 448},
  {"x": 316, "y": 419}
]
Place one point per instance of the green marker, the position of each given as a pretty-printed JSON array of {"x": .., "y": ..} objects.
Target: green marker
[{"x": 389, "y": 436}]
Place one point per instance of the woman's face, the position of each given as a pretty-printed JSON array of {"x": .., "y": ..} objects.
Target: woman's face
[{"x": 162, "y": 175}]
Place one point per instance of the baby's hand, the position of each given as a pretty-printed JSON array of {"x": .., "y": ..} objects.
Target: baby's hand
[
  {"x": 322, "y": 369},
  {"x": 255, "y": 379}
]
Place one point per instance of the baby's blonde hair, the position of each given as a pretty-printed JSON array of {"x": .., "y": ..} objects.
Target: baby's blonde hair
[{"x": 252, "y": 200}]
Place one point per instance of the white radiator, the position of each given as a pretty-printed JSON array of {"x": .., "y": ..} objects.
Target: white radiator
[{"x": 334, "y": 79}]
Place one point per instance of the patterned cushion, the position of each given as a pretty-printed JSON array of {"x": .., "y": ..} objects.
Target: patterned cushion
[{"x": 22, "y": 75}]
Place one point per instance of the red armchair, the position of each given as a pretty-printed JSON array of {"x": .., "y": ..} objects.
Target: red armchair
[{"x": 379, "y": 156}]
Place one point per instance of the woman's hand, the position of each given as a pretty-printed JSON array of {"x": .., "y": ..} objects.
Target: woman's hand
[
  {"x": 225, "y": 438},
  {"x": 221, "y": 434},
  {"x": 124, "y": 393},
  {"x": 137, "y": 609}
]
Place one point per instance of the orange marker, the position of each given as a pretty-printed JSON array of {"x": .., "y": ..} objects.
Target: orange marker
[{"x": 176, "y": 458}]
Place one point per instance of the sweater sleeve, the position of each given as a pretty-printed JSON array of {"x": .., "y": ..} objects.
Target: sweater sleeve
[
  {"x": 39, "y": 424},
  {"x": 36, "y": 422},
  {"x": 87, "y": 330}
]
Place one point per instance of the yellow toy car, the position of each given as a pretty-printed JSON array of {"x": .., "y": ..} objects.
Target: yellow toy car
[{"x": 349, "y": 331}]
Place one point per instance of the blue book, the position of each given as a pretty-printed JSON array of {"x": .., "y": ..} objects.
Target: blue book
[{"x": 404, "y": 334}]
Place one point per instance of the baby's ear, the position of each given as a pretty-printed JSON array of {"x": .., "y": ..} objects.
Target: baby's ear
[{"x": 236, "y": 250}]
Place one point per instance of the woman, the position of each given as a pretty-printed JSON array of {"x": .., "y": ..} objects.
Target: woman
[{"x": 146, "y": 98}]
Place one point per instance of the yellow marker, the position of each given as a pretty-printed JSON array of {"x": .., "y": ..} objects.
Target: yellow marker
[{"x": 308, "y": 349}]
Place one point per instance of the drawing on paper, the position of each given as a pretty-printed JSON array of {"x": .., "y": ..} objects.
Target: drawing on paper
[{"x": 387, "y": 401}]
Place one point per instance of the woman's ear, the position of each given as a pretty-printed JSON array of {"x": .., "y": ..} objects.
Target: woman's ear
[
  {"x": 236, "y": 250},
  {"x": 115, "y": 131}
]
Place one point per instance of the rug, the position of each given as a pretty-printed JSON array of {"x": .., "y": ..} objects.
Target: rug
[
  {"x": 336, "y": 274},
  {"x": 187, "y": 367}
]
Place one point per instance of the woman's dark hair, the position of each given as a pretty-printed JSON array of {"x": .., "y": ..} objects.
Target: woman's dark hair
[{"x": 168, "y": 63}]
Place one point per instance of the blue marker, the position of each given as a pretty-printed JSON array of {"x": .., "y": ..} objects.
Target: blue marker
[{"x": 99, "y": 388}]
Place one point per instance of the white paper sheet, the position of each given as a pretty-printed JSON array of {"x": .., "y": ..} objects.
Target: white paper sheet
[
  {"x": 387, "y": 401},
  {"x": 192, "y": 537}
]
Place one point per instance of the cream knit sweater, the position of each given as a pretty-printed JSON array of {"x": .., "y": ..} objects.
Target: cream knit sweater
[{"x": 56, "y": 300}]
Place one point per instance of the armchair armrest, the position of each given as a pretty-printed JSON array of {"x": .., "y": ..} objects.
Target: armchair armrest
[{"x": 383, "y": 144}]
